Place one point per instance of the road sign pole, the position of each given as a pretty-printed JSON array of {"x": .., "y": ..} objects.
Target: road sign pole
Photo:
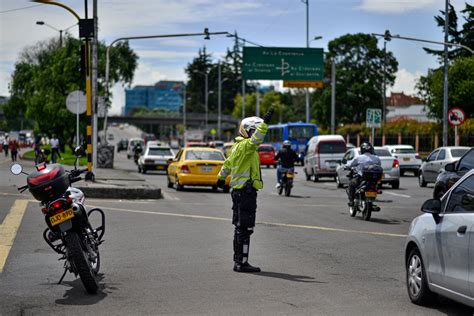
[
  {"x": 373, "y": 136},
  {"x": 456, "y": 142},
  {"x": 77, "y": 125},
  {"x": 333, "y": 97}
]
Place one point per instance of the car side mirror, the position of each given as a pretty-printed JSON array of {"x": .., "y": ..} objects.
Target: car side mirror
[
  {"x": 450, "y": 167},
  {"x": 431, "y": 206}
]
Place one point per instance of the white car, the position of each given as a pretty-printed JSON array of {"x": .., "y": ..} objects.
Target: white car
[
  {"x": 155, "y": 158},
  {"x": 390, "y": 165},
  {"x": 407, "y": 157},
  {"x": 438, "y": 251}
]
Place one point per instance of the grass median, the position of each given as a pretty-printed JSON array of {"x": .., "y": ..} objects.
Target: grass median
[{"x": 67, "y": 155}]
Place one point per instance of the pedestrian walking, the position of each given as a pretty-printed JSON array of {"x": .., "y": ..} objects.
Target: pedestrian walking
[
  {"x": 243, "y": 166},
  {"x": 5, "y": 146},
  {"x": 55, "y": 149},
  {"x": 14, "y": 148}
]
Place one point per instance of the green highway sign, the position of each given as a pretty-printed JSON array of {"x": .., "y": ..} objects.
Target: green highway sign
[
  {"x": 283, "y": 63},
  {"x": 374, "y": 118}
]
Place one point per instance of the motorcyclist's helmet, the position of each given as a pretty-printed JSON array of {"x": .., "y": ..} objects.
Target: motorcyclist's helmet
[
  {"x": 286, "y": 144},
  {"x": 367, "y": 147},
  {"x": 249, "y": 125}
]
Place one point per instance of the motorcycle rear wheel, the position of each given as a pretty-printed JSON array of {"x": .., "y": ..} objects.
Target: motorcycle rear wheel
[
  {"x": 367, "y": 212},
  {"x": 81, "y": 263},
  {"x": 287, "y": 190}
]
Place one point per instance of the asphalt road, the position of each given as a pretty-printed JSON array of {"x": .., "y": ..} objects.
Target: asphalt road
[{"x": 174, "y": 256}]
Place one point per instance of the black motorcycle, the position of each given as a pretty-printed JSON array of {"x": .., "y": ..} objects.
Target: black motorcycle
[
  {"x": 286, "y": 184},
  {"x": 366, "y": 192},
  {"x": 69, "y": 231}
]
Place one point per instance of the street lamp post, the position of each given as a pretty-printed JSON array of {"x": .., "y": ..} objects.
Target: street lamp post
[
  {"x": 206, "y": 35},
  {"x": 446, "y": 44},
  {"x": 57, "y": 30},
  {"x": 206, "y": 96},
  {"x": 220, "y": 81}
]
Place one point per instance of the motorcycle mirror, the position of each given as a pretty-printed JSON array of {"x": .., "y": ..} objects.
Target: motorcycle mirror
[
  {"x": 78, "y": 152},
  {"x": 16, "y": 169}
]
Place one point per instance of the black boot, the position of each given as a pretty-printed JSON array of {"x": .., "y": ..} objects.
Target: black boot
[{"x": 245, "y": 267}]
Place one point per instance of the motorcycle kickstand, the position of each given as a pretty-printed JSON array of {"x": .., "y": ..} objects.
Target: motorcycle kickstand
[{"x": 64, "y": 274}]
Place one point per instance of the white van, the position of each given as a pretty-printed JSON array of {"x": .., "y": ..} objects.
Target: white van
[
  {"x": 322, "y": 156},
  {"x": 131, "y": 144}
]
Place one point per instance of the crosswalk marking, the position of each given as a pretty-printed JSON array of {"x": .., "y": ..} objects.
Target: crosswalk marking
[{"x": 9, "y": 228}]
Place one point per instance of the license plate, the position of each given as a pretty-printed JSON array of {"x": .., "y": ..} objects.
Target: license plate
[
  {"x": 160, "y": 167},
  {"x": 290, "y": 175},
  {"x": 206, "y": 169},
  {"x": 371, "y": 194},
  {"x": 406, "y": 159},
  {"x": 61, "y": 217}
]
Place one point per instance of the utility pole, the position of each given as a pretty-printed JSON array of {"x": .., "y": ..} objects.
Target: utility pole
[
  {"x": 257, "y": 107},
  {"x": 384, "y": 87},
  {"x": 243, "y": 84},
  {"x": 94, "y": 87},
  {"x": 219, "y": 100},
  {"x": 333, "y": 96},
  {"x": 184, "y": 107},
  {"x": 306, "y": 2},
  {"x": 446, "y": 65}
]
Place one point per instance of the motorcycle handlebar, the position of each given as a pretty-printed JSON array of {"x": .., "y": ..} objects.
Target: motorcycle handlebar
[{"x": 75, "y": 179}]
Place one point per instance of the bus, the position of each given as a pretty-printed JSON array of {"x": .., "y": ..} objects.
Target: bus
[{"x": 298, "y": 133}]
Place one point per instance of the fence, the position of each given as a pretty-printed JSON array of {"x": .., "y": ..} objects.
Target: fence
[{"x": 423, "y": 143}]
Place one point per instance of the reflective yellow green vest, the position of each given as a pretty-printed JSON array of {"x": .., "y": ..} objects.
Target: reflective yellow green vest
[{"x": 243, "y": 163}]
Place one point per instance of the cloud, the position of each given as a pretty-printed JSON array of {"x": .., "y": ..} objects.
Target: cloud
[
  {"x": 395, "y": 6},
  {"x": 162, "y": 54},
  {"x": 405, "y": 82}
]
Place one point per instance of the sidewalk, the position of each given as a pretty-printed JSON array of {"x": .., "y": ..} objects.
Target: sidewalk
[
  {"x": 118, "y": 184},
  {"x": 109, "y": 183}
]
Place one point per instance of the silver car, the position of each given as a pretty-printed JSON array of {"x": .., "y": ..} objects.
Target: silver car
[
  {"x": 436, "y": 160},
  {"x": 390, "y": 165},
  {"x": 438, "y": 252}
]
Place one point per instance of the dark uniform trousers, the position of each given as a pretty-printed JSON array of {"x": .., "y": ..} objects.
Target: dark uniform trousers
[
  {"x": 353, "y": 184},
  {"x": 244, "y": 210}
]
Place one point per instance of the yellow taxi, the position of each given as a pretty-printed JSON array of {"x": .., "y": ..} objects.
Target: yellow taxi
[{"x": 196, "y": 166}]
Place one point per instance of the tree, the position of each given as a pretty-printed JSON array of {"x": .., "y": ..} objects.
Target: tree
[
  {"x": 46, "y": 73},
  {"x": 196, "y": 81},
  {"x": 359, "y": 69},
  {"x": 465, "y": 36},
  {"x": 461, "y": 84}
]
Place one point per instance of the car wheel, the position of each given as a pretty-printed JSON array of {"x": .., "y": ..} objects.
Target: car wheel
[
  {"x": 308, "y": 176},
  {"x": 268, "y": 166},
  {"x": 338, "y": 182},
  {"x": 315, "y": 177},
  {"x": 395, "y": 184},
  {"x": 170, "y": 184},
  {"x": 402, "y": 173},
  {"x": 421, "y": 180},
  {"x": 417, "y": 284},
  {"x": 143, "y": 170},
  {"x": 226, "y": 189},
  {"x": 177, "y": 185}
]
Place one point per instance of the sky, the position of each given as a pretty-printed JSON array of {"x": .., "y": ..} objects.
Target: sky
[{"x": 280, "y": 23}]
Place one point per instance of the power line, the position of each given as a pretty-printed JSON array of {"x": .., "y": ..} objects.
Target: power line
[{"x": 23, "y": 8}]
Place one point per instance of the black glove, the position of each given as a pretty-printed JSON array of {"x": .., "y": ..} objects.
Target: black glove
[
  {"x": 220, "y": 183},
  {"x": 268, "y": 116}
]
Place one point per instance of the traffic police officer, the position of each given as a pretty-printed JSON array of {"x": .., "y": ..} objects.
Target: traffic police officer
[{"x": 243, "y": 166}]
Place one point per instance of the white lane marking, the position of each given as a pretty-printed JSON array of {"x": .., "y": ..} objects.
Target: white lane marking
[
  {"x": 170, "y": 196},
  {"x": 9, "y": 228},
  {"x": 398, "y": 194},
  {"x": 331, "y": 229}
]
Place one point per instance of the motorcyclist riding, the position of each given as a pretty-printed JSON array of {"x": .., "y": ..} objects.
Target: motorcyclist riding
[
  {"x": 287, "y": 158},
  {"x": 137, "y": 151},
  {"x": 367, "y": 157},
  {"x": 243, "y": 166}
]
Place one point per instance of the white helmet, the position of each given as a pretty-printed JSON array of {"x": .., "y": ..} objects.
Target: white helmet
[{"x": 249, "y": 125}]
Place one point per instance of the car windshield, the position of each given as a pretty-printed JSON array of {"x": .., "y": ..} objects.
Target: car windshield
[
  {"x": 160, "y": 152},
  {"x": 456, "y": 153},
  {"x": 382, "y": 153},
  {"x": 267, "y": 149},
  {"x": 332, "y": 147},
  {"x": 204, "y": 155},
  {"x": 404, "y": 151}
]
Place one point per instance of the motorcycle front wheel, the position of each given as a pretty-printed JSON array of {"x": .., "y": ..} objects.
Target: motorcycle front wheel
[{"x": 81, "y": 263}]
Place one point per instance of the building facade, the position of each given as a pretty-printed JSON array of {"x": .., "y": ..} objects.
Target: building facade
[{"x": 166, "y": 95}]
